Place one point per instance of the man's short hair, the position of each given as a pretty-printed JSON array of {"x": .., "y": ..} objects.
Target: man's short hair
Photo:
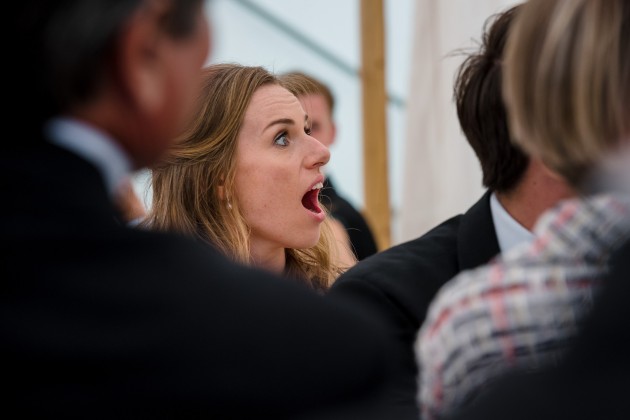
[{"x": 481, "y": 111}]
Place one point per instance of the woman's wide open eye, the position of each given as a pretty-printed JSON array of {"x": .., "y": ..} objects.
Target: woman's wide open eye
[{"x": 281, "y": 140}]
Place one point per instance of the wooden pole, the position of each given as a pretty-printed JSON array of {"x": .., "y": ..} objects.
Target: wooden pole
[{"x": 375, "y": 174}]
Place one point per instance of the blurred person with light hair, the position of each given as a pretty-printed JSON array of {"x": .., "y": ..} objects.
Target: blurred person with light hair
[
  {"x": 567, "y": 90},
  {"x": 572, "y": 109}
]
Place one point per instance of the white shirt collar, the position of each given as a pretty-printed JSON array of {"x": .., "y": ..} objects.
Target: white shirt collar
[
  {"x": 509, "y": 232},
  {"x": 92, "y": 145}
]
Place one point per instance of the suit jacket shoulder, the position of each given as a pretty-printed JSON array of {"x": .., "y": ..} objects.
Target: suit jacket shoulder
[
  {"x": 399, "y": 283},
  {"x": 97, "y": 316},
  {"x": 408, "y": 275}
]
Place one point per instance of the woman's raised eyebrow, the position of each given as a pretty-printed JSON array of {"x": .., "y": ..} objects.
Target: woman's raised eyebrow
[{"x": 288, "y": 121}]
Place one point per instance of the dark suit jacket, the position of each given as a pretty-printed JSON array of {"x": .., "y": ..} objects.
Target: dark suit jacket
[
  {"x": 399, "y": 283},
  {"x": 361, "y": 237},
  {"x": 98, "y": 320},
  {"x": 593, "y": 380}
]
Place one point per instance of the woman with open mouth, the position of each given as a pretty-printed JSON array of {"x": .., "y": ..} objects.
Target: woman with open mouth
[{"x": 246, "y": 176}]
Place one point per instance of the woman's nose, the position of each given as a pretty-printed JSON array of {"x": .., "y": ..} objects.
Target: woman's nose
[{"x": 319, "y": 155}]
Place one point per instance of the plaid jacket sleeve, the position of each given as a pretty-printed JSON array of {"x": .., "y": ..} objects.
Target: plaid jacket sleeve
[{"x": 518, "y": 312}]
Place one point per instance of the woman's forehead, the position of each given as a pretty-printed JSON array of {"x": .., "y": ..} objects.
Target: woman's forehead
[
  {"x": 273, "y": 98},
  {"x": 272, "y": 102}
]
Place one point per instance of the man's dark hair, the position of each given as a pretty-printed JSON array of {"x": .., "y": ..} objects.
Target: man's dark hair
[
  {"x": 60, "y": 49},
  {"x": 481, "y": 111}
]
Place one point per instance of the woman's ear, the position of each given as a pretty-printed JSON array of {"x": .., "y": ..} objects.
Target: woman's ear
[
  {"x": 223, "y": 196},
  {"x": 221, "y": 192}
]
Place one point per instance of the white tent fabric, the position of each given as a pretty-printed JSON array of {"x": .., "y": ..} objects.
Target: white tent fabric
[{"x": 441, "y": 173}]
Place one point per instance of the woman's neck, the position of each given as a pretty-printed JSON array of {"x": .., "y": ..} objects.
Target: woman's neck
[{"x": 268, "y": 257}]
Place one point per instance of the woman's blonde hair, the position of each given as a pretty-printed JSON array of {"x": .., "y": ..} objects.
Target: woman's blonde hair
[
  {"x": 193, "y": 190},
  {"x": 567, "y": 82}
]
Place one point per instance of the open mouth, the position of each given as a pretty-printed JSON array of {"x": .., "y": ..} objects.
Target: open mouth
[{"x": 310, "y": 200}]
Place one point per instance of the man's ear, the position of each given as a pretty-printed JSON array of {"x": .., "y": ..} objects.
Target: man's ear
[{"x": 139, "y": 69}]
